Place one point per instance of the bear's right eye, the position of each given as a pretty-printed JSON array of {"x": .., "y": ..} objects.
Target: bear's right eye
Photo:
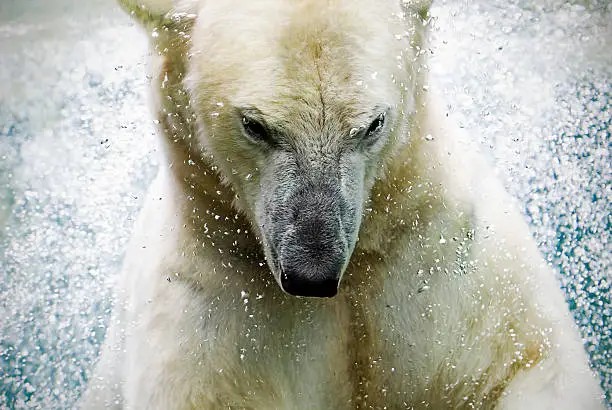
[
  {"x": 376, "y": 126},
  {"x": 254, "y": 129}
]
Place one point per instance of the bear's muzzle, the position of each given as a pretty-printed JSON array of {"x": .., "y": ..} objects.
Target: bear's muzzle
[{"x": 313, "y": 249}]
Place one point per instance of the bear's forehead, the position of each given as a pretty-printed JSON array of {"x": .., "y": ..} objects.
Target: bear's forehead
[
  {"x": 292, "y": 43},
  {"x": 309, "y": 60}
]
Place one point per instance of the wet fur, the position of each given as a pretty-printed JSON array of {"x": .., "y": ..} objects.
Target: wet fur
[{"x": 445, "y": 300}]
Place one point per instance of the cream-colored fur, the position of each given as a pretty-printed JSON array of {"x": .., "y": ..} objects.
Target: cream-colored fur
[{"x": 445, "y": 303}]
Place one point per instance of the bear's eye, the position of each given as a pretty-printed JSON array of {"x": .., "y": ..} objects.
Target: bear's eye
[
  {"x": 376, "y": 125},
  {"x": 254, "y": 129}
]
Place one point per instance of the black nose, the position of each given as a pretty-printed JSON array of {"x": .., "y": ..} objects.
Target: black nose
[
  {"x": 311, "y": 272},
  {"x": 297, "y": 285}
]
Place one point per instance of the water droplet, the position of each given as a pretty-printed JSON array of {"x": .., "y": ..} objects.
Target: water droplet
[{"x": 165, "y": 80}]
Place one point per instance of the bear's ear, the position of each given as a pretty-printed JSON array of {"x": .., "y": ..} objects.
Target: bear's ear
[{"x": 152, "y": 14}]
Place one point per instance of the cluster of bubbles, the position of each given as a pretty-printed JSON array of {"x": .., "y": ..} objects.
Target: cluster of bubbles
[
  {"x": 77, "y": 151},
  {"x": 76, "y": 142}
]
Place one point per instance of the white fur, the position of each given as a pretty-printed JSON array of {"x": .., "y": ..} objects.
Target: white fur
[{"x": 446, "y": 302}]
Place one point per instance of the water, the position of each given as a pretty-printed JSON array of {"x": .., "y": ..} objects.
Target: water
[
  {"x": 77, "y": 150},
  {"x": 534, "y": 84},
  {"x": 76, "y": 153}
]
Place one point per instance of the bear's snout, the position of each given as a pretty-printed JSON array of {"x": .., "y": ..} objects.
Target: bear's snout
[
  {"x": 313, "y": 245},
  {"x": 312, "y": 259}
]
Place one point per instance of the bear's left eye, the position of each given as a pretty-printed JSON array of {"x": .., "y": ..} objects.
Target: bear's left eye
[
  {"x": 376, "y": 125},
  {"x": 254, "y": 129}
]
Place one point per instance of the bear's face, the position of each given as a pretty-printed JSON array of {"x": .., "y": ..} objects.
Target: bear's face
[{"x": 298, "y": 111}]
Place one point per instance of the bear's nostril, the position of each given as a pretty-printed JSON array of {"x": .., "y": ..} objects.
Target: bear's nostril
[
  {"x": 298, "y": 285},
  {"x": 317, "y": 275}
]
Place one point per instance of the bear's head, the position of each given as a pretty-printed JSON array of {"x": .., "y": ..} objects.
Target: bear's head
[{"x": 298, "y": 106}]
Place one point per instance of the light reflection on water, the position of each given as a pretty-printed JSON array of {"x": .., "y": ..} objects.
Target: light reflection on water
[{"x": 533, "y": 84}]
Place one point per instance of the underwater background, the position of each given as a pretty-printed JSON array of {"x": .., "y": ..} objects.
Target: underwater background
[{"x": 530, "y": 80}]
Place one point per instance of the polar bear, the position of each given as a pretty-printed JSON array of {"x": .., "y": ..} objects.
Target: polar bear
[{"x": 320, "y": 236}]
